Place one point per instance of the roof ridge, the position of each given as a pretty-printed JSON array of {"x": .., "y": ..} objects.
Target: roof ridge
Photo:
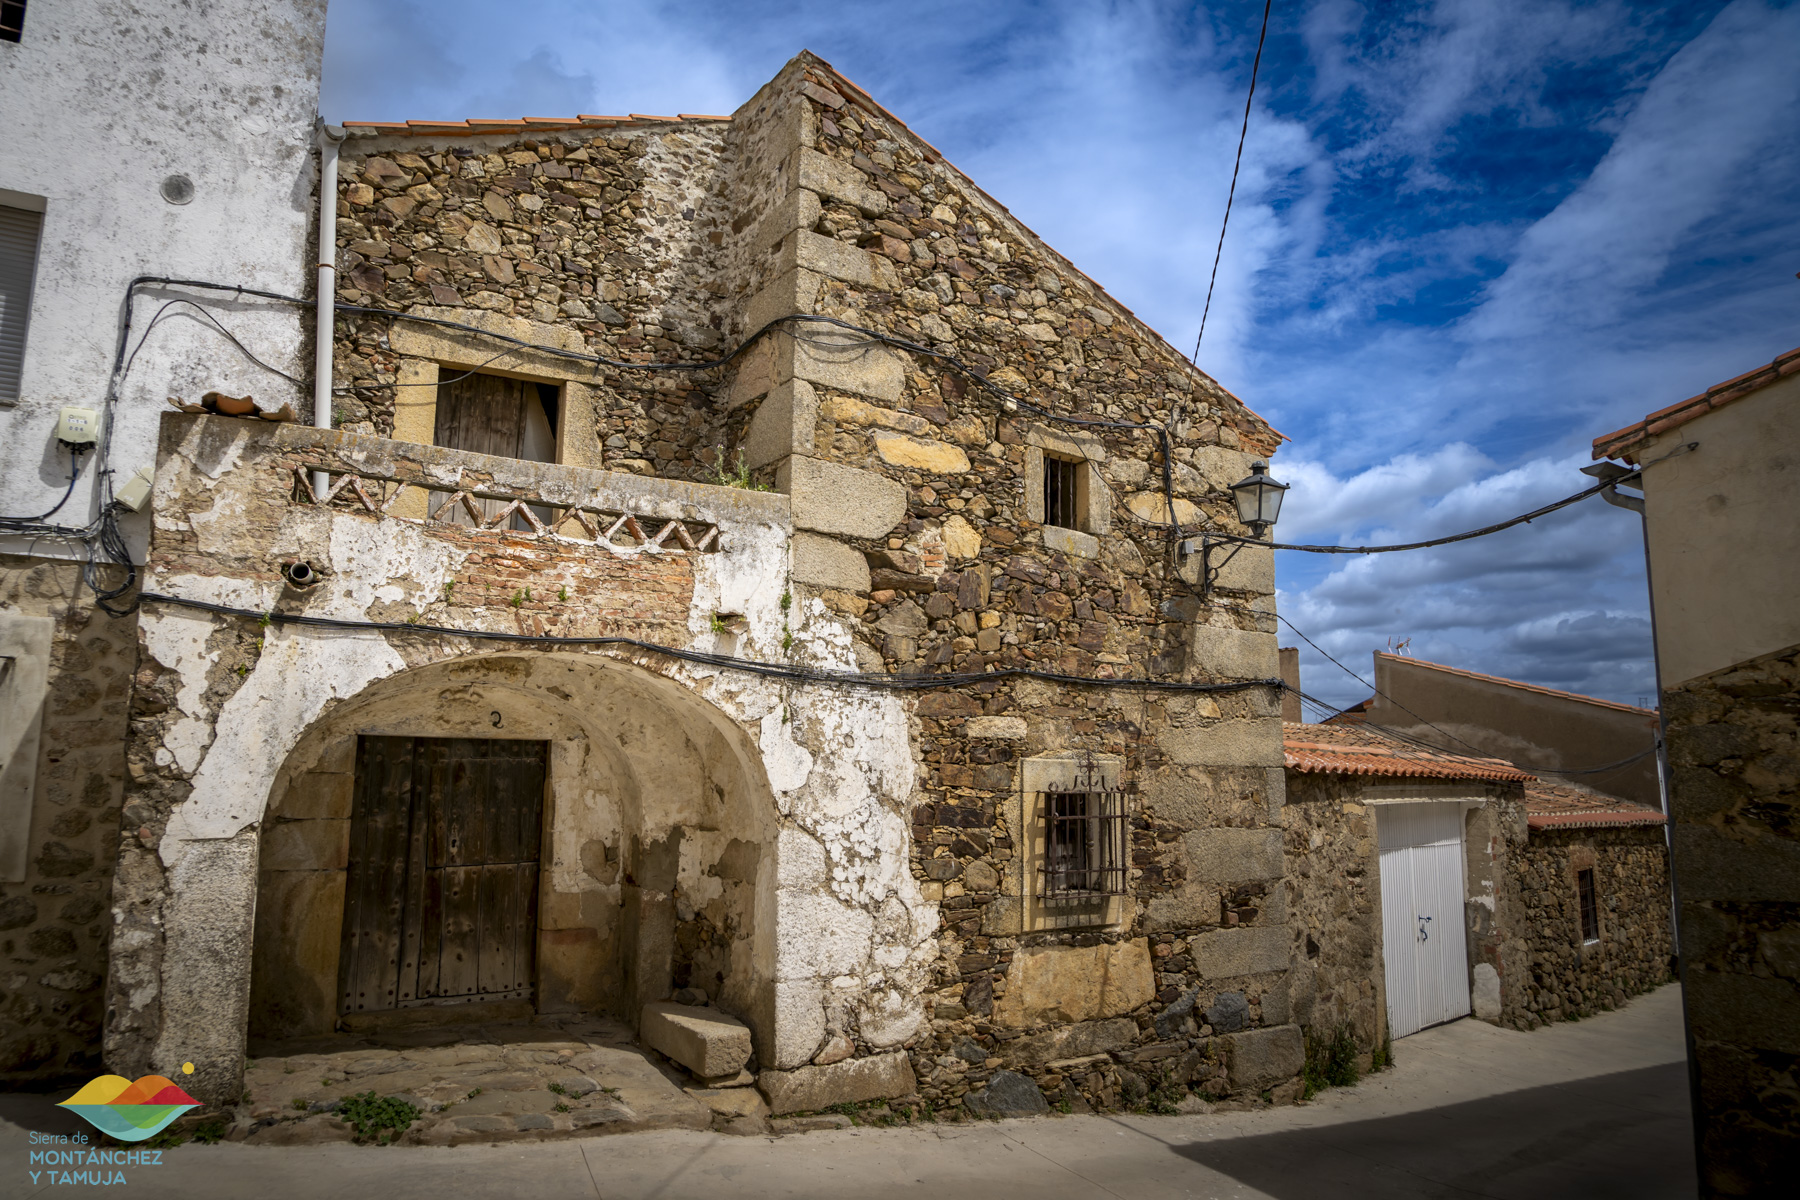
[{"x": 1620, "y": 442}]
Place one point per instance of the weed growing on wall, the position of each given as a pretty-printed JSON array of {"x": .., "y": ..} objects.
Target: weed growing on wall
[{"x": 1330, "y": 1060}]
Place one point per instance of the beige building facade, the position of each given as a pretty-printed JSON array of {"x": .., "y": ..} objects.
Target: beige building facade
[{"x": 1722, "y": 527}]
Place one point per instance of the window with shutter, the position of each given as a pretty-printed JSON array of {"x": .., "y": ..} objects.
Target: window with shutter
[
  {"x": 496, "y": 414},
  {"x": 19, "y": 229},
  {"x": 12, "y": 20}
]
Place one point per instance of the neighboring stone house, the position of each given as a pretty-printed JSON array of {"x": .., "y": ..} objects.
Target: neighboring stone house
[
  {"x": 1427, "y": 886},
  {"x": 1722, "y": 530},
  {"x": 365, "y": 780},
  {"x": 137, "y": 143}
]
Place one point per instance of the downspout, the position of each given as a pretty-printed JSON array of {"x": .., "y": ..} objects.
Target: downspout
[
  {"x": 325, "y": 288},
  {"x": 1636, "y": 504}
]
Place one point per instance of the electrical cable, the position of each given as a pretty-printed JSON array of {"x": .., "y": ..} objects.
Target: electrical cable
[
  {"x": 703, "y": 658},
  {"x": 1232, "y": 194},
  {"x": 1484, "y": 531}
]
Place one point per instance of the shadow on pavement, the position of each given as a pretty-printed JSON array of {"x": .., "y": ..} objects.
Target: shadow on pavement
[
  {"x": 1625, "y": 1135},
  {"x": 31, "y": 1111}
]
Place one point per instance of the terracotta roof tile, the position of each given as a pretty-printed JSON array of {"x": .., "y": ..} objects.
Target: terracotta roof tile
[
  {"x": 1560, "y": 806},
  {"x": 1358, "y": 750},
  {"x": 1514, "y": 683},
  {"x": 521, "y": 124},
  {"x": 1623, "y": 443}
]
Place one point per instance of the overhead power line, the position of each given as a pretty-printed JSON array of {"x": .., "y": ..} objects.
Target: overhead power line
[{"x": 1236, "y": 163}]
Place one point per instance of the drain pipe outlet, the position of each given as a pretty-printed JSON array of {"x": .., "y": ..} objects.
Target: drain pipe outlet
[{"x": 325, "y": 288}]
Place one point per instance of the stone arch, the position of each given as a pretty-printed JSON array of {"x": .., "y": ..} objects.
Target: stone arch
[{"x": 659, "y": 837}]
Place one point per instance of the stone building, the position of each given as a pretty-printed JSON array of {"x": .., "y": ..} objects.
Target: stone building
[
  {"x": 1720, "y": 530},
  {"x": 1427, "y": 886},
  {"x": 137, "y": 149},
  {"x": 739, "y": 566}
]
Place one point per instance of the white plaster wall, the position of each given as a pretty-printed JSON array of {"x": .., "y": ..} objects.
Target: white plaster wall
[
  {"x": 846, "y": 934},
  {"x": 100, "y": 101}
]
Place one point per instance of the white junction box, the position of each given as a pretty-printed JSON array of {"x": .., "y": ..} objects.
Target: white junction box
[
  {"x": 78, "y": 427},
  {"x": 136, "y": 492}
]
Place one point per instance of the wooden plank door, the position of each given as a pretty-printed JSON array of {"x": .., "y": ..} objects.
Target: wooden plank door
[
  {"x": 445, "y": 843},
  {"x": 375, "y": 894},
  {"x": 1423, "y": 941}
]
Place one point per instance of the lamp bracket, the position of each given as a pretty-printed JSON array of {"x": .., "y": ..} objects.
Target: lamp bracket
[{"x": 1206, "y": 544}]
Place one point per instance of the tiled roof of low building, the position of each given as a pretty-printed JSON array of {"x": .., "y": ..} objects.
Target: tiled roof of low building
[
  {"x": 1360, "y": 750},
  {"x": 1560, "y": 806},
  {"x": 1624, "y": 443}
]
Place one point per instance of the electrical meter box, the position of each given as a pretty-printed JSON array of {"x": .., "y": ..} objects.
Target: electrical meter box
[
  {"x": 78, "y": 427},
  {"x": 136, "y": 492}
]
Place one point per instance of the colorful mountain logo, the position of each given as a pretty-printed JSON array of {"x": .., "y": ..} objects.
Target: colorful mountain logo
[{"x": 130, "y": 1111}]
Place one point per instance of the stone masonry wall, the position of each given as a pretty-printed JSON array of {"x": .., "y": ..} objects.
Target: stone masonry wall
[
  {"x": 1568, "y": 978},
  {"x": 1334, "y": 893},
  {"x": 615, "y": 238},
  {"x": 962, "y": 574},
  {"x": 1734, "y": 761},
  {"x": 916, "y": 502},
  {"x": 53, "y": 925}
]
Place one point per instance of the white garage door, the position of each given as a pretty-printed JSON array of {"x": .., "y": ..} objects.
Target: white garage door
[{"x": 1422, "y": 914}]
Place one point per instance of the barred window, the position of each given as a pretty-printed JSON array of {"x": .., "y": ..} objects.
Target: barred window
[
  {"x": 1590, "y": 908},
  {"x": 12, "y": 20},
  {"x": 1084, "y": 845},
  {"x": 1062, "y": 493}
]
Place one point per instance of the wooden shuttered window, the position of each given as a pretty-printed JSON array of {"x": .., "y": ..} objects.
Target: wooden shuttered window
[
  {"x": 493, "y": 414},
  {"x": 19, "y": 229}
]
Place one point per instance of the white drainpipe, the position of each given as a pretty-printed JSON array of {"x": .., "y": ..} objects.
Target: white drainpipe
[{"x": 325, "y": 290}]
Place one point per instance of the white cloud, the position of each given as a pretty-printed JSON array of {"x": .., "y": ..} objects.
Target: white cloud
[{"x": 1726, "y": 99}]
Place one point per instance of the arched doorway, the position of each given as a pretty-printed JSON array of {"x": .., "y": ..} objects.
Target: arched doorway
[{"x": 504, "y": 834}]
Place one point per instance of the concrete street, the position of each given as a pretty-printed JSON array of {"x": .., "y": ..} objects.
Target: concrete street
[{"x": 1591, "y": 1109}]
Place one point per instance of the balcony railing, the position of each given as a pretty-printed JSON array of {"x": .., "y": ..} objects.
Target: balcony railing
[{"x": 591, "y": 523}]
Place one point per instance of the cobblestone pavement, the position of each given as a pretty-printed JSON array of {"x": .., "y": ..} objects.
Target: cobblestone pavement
[{"x": 1596, "y": 1108}]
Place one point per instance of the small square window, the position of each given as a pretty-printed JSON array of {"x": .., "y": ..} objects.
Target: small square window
[
  {"x": 12, "y": 20},
  {"x": 1062, "y": 493},
  {"x": 1590, "y": 908}
]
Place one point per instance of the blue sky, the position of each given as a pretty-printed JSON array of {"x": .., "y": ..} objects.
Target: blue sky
[{"x": 1468, "y": 238}]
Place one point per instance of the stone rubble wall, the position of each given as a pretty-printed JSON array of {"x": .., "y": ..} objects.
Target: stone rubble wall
[
  {"x": 1334, "y": 893},
  {"x": 53, "y": 924},
  {"x": 1734, "y": 761},
  {"x": 936, "y": 556},
  {"x": 614, "y": 242},
  {"x": 1565, "y": 977}
]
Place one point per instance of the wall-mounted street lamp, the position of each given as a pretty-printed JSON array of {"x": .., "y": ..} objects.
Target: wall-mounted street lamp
[{"x": 1258, "y": 498}]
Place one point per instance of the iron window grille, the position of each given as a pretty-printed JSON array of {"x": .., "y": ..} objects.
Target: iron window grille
[
  {"x": 1084, "y": 839},
  {"x": 1062, "y": 500},
  {"x": 1590, "y": 908},
  {"x": 12, "y": 20}
]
